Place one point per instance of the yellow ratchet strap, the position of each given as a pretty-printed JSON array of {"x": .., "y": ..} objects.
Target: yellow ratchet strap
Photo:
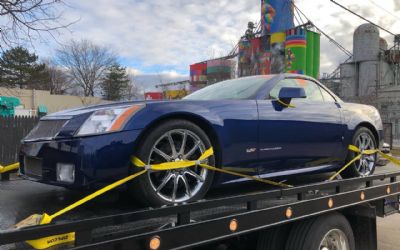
[
  {"x": 285, "y": 104},
  {"x": 4, "y": 169},
  {"x": 288, "y": 105},
  {"x": 365, "y": 152},
  {"x": 43, "y": 219},
  {"x": 185, "y": 164}
]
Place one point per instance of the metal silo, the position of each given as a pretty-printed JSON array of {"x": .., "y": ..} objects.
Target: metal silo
[
  {"x": 383, "y": 45},
  {"x": 348, "y": 81},
  {"x": 366, "y": 43},
  {"x": 368, "y": 78}
]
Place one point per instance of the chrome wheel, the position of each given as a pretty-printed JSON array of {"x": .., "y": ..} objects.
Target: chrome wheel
[
  {"x": 181, "y": 184},
  {"x": 334, "y": 240},
  {"x": 366, "y": 164}
]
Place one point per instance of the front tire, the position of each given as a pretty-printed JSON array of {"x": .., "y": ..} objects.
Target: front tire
[
  {"x": 173, "y": 140},
  {"x": 363, "y": 139}
]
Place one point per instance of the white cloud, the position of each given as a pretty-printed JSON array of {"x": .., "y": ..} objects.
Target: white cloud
[
  {"x": 133, "y": 72},
  {"x": 175, "y": 33}
]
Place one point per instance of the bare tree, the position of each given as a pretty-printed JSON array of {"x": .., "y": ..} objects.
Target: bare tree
[
  {"x": 133, "y": 91},
  {"x": 59, "y": 82},
  {"x": 86, "y": 63},
  {"x": 26, "y": 20}
]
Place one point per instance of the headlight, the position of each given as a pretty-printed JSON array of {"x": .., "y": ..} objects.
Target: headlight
[{"x": 108, "y": 120}]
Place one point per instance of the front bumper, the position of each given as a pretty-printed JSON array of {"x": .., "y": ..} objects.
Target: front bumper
[{"x": 98, "y": 160}]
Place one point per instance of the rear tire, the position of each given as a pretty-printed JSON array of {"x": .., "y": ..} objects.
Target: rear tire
[
  {"x": 164, "y": 144},
  {"x": 331, "y": 231},
  {"x": 273, "y": 238},
  {"x": 364, "y": 139}
]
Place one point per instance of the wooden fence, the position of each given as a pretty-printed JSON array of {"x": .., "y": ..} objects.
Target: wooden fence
[{"x": 12, "y": 131}]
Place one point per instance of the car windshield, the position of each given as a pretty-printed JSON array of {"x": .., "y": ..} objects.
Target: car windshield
[{"x": 237, "y": 89}]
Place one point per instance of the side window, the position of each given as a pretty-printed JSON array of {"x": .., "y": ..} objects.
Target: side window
[
  {"x": 274, "y": 93},
  {"x": 327, "y": 96},
  {"x": 312, "y": 90}
]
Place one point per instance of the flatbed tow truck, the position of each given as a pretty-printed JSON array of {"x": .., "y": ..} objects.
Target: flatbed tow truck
[{"x": 320, "y": 215}]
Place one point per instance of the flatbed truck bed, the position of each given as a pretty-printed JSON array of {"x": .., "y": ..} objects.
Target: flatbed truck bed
[{"x": 255, "y": 220}]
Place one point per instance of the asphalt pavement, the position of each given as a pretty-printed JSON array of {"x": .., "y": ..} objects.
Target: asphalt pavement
[{"x": 20, "y": 199}]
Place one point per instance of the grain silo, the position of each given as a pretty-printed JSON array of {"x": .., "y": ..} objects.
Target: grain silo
[{"x": 366, "y": 43}]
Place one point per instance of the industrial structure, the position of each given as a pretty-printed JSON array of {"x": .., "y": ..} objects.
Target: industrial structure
[
  {"x": 371, "y": 76},
  {"x": 275, "y": 45}
]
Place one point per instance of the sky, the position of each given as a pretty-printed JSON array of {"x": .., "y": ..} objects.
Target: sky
[{"x": 157, "y": 40}]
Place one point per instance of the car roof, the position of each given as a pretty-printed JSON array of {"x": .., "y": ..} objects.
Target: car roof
[{"x": 281, "y": 75}]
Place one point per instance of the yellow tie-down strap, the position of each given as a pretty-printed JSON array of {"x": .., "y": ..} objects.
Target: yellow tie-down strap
[
  {"x": 360, "y": 153},
  {"x": 43, "y": 219},
  {"x": 4, "y": 169}
]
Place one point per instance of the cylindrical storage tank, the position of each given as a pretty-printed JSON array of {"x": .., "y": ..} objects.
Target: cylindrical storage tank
[
  {"x": 278, "y": 52},
  {"x": 366, "y": 43},
  {"x": 367, "y": 78},
  {"x": 383, "y": 45},
  {"x": 276, "y": 16},
  {"x": 348, "y": 80},
  {"x": 310, "y": 53},
  {"x": 244, "y": 51},
  {"x": 295, "y": 51},
  {"x": 316, "y": 55}
]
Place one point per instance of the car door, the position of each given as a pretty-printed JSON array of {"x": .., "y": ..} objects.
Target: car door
[{"x": 305, "y": 137}]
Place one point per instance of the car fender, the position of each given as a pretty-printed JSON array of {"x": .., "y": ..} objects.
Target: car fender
[{"x": 356, "y": 115}]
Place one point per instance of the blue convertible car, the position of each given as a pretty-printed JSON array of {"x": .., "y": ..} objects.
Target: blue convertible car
[{"x": 265, "y": 126}]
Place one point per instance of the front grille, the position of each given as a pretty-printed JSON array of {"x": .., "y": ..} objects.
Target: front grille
[
  {"x": 33, "y": 166},
  {"x": 46, "y": 129}
]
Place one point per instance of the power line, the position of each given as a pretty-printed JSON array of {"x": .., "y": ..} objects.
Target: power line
[
  {"x": 365, "y": 19},
  {"x": 380, "y": 7},
  {"x": 343, "y": 49}
]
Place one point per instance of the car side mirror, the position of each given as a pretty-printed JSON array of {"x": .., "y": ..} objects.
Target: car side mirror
[
  {"x": 286, "y": 94},
  {"x": 291, "y": 92}
]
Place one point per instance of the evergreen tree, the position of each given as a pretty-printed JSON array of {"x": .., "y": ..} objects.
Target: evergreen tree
[
  {"x": 115, "y": 83},
  {"x": 20, "y": 68}
]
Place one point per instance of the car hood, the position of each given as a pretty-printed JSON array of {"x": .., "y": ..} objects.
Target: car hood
[{"x": 68, "y": 113}]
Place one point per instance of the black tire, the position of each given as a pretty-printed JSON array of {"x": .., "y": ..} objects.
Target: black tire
[
  {"x": 352, "y": 171},
  {"x": 273, "y": 238},
  {"x": 308, "y": 234},
  {"x": 142, "y": 189}
]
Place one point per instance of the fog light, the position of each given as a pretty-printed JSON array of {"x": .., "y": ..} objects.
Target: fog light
[{"x": 65, "y": 172}]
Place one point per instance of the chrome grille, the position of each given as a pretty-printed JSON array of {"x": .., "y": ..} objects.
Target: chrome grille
[
  {"x": 32, "y": 166},
  {"x": 46, "y": 129}
]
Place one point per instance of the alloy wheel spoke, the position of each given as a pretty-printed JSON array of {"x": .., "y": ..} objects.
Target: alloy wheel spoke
[
  {"x": 172, "y": 145},
  {"x": 182, "y": 149},
  {"x": 162, "y": 154},
  {"x": 364, "y": 141},
  {"x": 359, "y": 164},
  {"x": 175, "y": 189},
  {"x": 370, "y": 158},
  {"x": 195, "y": 175},
  {"x": 186, "y": 183},
  {"x": 179, "y": 185},
  {"x": 358, "y": 142},
  {"x": 196, "y": 145},
  {"x": 164, "y": 182},
  {"x": 368, "y": 143},
  {"x": 366, "y": 166}
]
